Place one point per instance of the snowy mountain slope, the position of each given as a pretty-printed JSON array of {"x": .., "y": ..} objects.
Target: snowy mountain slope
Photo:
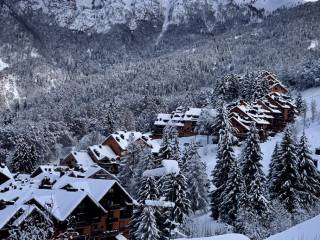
[
  {"x": 308, "y": 230},
  {"x": 101, "y": 15}
]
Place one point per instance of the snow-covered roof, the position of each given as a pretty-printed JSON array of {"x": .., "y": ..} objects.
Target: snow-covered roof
[
  {"x": 60, "y": 203},
  {"x": 168, "y": 167},
  {"x": 97, "y": 188},
  {"x": 7, "y": 213},
  {"x": 27, "y": 210},
  {"x": 123, "y": 138},
  {"x": 5, "y": 171},
  {"x": 82, "y": 158},
  {"x": 102, "y": 151}
]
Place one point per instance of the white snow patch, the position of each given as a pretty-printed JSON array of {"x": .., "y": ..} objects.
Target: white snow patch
[
  {"x": 313, "y": 45},
  {"x": 220, "y": 237},
  {"x": 308, "y": 230},
  {"x": 3, "y": 65}
]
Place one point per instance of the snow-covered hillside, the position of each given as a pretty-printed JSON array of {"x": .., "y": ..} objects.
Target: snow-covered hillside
[
  {"x": 101, "y": 15},
  {"x": 308, "y": 230}
]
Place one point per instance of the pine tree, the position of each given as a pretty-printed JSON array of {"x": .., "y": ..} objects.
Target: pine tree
[
  {"x": 169, "y": 148},
  {"x": 35, "y": 228},
  {"x": 147, "y": 229},
  {"x": 164, "y": 222},
  {"x": 219, "y": 119},
  {"x": 204, "y": 123},
  {"x": 254, "y": 178},
  {"x": 197, "y": 180},
  {"x": 174, "y": 189},
  {"x": 285, "y": 185},
  {"x": 148, "y": 189},
  {"x": 232, "y": 195},
  {"x": 274, "y": 164},
  {"x": 261, "y": 88},
  {"x": 299, "y": 103},
  {"x": 25, "y": 156},
  {"x": 129, "y": 169},
  {"x": 225, "y": 161},
  {"x": 309, "y": 175}
]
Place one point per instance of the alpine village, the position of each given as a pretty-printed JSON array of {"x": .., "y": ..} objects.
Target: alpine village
[
  {"x": 147, "y": 184},
  {"x": 159, "y": 119}
]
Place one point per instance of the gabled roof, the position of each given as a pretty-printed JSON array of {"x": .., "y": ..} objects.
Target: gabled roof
[
  {"x": 97, "y": 188},
  {"x": 82, "y": 158},
  {"x": 60, "y": 203},
  {"x": 7, "y": 214},
  {"x": 102, "y": 151},
  {"x": 27, "y": 211},
  {"x": 123, "y": 138}
]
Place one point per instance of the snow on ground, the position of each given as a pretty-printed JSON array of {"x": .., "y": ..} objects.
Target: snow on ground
[
  {"x": 313, "y": 45},
  {"x": 308, "y": 230},
  {"x": 221, "y": 237},
  {"x": 203, "y": 225},
  {"x": 3, "y": 65},
  {"x": 207, "y": 152}
]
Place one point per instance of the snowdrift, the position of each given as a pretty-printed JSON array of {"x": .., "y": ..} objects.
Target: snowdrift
[
  {"x": 220, "y": 237},
  {"x": 308, "y": 230}
]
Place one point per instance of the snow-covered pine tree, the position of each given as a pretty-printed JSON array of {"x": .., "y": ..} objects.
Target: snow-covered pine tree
[
  {"x": 225, "y": 160},
  {"x": 169, "y": 148},
  {"x": 274, "y": 164},
  {"x": 286, "y": 183},
  {"x": 261, "y": 88},
  {"x": 174, "y": 189},
  {"x": 135, "y": 222},
  {"x": 148, "y": 189},
  {"x": 314, "y": 111},
  {"x": 218, "y": 120},
  {"x": 204, "y": 123},
  {"x": 253, "y": 176},
  {"x": 309, "y": 175},
  {"x": 251, "y": 158},
  {"x": 148, "y": 229},
  {"x": 25, "y": 158},
  {"x": 34, "y": 228},
  {"x": 232, "y": 195},
  {"x": 197, "y": 180},
  {"x": 129, "y": 168},
  {"x": 300, "y": 103},
  {"x": 146, "y": 162},
  {"x": 164, "y": 222}
]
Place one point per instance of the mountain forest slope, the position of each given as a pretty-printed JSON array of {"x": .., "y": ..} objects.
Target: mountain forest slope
[{"x": 63, "y": 77}]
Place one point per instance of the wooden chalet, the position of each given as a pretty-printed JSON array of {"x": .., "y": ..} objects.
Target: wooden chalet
[
  {"x": 270, "y": 114},
  {"x": 105, "y": 157},
  {"x": 185, "y": 121},
  {"x": 93, "y": 208},
  {"x": 120, "y": 140},
  {"x": 95, "y": 155},
  {"x": 274, "y": 84}
]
